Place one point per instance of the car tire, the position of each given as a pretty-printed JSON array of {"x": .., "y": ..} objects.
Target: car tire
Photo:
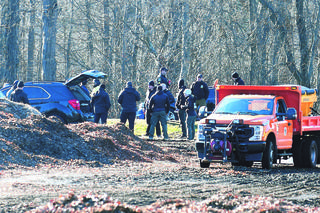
[{"x": 58, "y": 116}]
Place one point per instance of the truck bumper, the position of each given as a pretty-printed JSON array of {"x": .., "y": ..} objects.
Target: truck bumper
[
  {"x": 252, "y": 151},
  {"x": 252, "y": 147}
]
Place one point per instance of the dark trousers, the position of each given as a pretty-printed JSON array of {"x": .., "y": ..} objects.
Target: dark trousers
[
  {"x": 191, "y": 126},
  {"x": 182, "y": 118},
  {"x": 102, "y": 116},
  {"x": 148, "y": 120},
  {"x": 155, "y": 118},
  {"x": 130, "y": 116}
]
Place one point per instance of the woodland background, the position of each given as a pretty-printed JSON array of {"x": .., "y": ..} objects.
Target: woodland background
[{"x": 266, "y": 42}]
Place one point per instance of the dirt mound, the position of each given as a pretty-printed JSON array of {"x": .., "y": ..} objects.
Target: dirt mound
[{"x": 28, "y": 139}]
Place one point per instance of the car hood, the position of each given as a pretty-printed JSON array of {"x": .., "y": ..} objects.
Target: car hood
[{"x": 84, "y": 76}]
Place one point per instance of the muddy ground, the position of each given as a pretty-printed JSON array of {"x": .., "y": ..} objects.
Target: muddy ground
[{"x": 142, "y": 184}]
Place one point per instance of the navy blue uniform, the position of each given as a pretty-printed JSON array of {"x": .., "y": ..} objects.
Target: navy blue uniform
[
  {"x": 159, "y": 106},
  {"x": 238, "y": 81},
  {"x": 19, "y": 96},
  {"x": 181, "y": 101},
  {"x": 149, "y": 94},
  {"x": 101, "y": 105},
  {"x": 128, "y": 98}
]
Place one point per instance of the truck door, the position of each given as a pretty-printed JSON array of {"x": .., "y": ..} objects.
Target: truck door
[{"x": 283, "y": 126}]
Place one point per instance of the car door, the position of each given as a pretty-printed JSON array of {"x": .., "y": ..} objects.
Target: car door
[{"x": 283, "y": 126}]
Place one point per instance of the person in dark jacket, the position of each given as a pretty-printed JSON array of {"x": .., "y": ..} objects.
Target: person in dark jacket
[
  {"x": 192, "y": 115},
  {"x": 127, "y": 99},
  {"x": 237, "y": 80},
  {"x": 13, "y": 87},
  {"x": 172, "y": 101},
  {"x": 200, "y": 91},
  {"x": 162, "y": 79},
  {"x": 181, "y": 101},
  {"x": 150, "y": 92},
  {"x": 101, "y": 105},
  {"x": 18, "y": 95},
  {"x": 159, "y": 106},
  {"x": 84, "y": 87}
]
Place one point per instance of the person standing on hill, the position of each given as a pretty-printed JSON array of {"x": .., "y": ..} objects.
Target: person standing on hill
[
  {"x": 200, "y": 91},
  {"x": 101, "y": 104},
  {"x": 159, "y": 106},
  {"x": 127, "y": 99},
  {"x": 237, "y": 80},
  {"x": 181, "y": 101},
  {"x": 162, "y": 79},
  {"x": 18, "y": 95}
]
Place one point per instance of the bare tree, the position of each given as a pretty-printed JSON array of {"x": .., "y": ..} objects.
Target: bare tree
[
  {"x": 11, "y": 34},
  {"x": 50, "y": 14}
]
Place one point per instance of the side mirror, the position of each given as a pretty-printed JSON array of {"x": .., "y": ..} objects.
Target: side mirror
[{"x": 291, "y": 114}]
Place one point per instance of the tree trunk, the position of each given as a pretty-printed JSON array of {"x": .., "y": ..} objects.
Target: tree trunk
[
  {"x": 253, "y": 42},
  {"x": 304, "y": 48},
  {"x": 90, "y": 36},
  {"x": 31, "y": 42},
  {"x": 12, "y": 32},
  {"x": 69, "y": 45},
  {"x": 50, "y": 14}
]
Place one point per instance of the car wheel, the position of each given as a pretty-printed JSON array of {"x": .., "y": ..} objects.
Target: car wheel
[{"x": 58, "y": 116}]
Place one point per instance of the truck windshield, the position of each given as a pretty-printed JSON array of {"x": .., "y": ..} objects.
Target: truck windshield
[{"x": 242, "y": 106}]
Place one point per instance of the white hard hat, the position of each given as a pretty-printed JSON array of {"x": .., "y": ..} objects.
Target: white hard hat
[{"x": 187, "y": 92}]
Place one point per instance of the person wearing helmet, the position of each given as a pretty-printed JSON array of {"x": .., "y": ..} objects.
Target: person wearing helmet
[
  {"x": 237, "y": 80},
  {"x": 191, "y": 113}
]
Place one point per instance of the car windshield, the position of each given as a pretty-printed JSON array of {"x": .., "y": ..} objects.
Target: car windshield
[{"x": 243, "y": 106}]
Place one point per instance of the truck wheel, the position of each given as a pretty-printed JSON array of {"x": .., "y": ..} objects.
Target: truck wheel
[
  {"x": 248, "y": 164},
  {"x": 268, "y": 155},
  {"x": 297, "y": 153},
  {"x": 310, "y": 153},
  {"x": 204, "y": 164}
]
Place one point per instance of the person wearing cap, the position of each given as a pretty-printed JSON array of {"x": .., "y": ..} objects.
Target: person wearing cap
[
  {"x": 100, "y": 102},
  {"x": 159, "y": 106},
  {"x": 181, "y": 101},
  {"x": 13, "y": 87},
  {"x": 84, "y": 87},
  {"x": 150, "y": 92},
  {"x": 200, "y": 91},
  {"x": 127, "y": 99},
  {"x": 191, "y": 113},
  {"x": 96, "y": 86},
  {"x": 237, "y": 80},
  {"x": 18, "y": 95},
  {"x": 162, "y": 77}
]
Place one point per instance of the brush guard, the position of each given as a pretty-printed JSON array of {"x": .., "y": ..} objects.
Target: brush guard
[{"x": 223, "y": 144}]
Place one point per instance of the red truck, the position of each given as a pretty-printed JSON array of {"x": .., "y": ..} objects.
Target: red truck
[{"x": 261, "y": 124}]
